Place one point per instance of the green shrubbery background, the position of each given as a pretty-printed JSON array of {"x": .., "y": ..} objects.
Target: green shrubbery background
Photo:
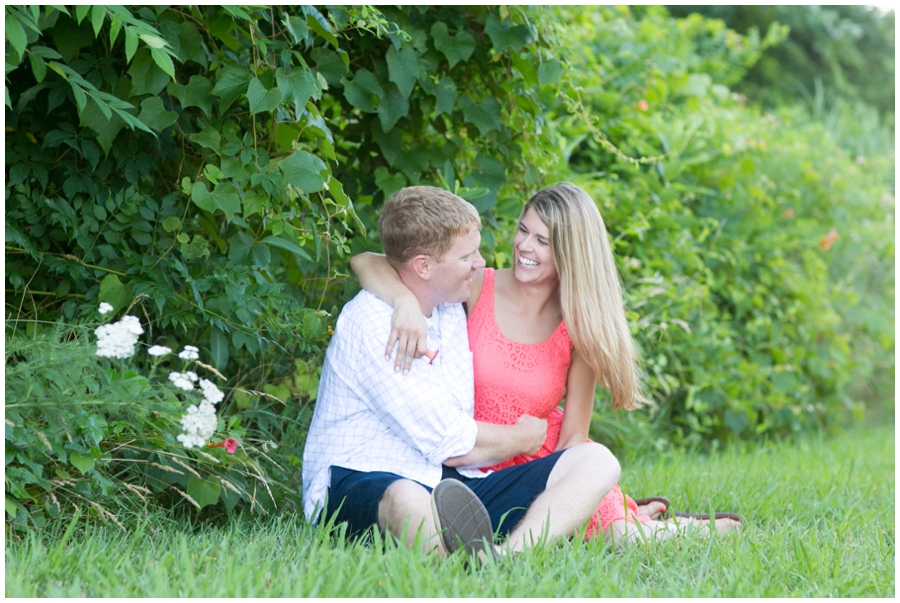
[{"x": 211, "y": 170}]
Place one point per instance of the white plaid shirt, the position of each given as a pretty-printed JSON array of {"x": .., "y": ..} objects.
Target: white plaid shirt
[{"x": 370, "y": 418}]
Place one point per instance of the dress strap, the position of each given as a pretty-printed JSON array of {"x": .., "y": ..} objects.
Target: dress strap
[{"x": 487, "y": 293}]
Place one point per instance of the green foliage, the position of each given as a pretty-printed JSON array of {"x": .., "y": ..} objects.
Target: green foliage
[
  {"x": 221, "y": 162},
  {"x": 750, "y": 322},
  {"x": 214, "y": 167},
  {"x": 850, "y": 49},
  {"x": 93, "y": 435}
]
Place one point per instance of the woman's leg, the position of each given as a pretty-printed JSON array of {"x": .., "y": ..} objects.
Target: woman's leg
[{"x": 623, "y": 533}]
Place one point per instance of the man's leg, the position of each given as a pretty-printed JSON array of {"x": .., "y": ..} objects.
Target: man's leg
[
  {"x": 582, "y": 476},
  {"x": 400, "y": 506},
  {"x": 405, "y": 511}
]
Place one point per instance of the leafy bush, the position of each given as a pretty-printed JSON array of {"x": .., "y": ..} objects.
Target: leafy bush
[
  {"x": 749, "y": 319},
  {"x": 197, "y": 164},
  {"x": 86, "y": 421}
]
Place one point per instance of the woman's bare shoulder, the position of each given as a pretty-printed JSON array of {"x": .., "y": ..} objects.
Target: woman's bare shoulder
[{"x": 475, "y": 292}]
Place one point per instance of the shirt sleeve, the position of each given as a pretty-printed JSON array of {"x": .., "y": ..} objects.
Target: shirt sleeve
[{"x": 416, "y": 407}]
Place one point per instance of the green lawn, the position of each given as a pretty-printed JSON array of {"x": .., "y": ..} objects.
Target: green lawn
[{"x": 819, "y": 516}]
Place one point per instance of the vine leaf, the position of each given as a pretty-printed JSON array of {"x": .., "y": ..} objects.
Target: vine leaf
[
  {"x": 505, "y": 35},
  {"x": 154, "y": 114},
  {"x": 403, "y": 69},
  {"x": 485, "y": 115},
  {"x": 223, "y": 197},
  {"x": 549, "y": 72},
  {"x": 392, "y": 107},
  {"x": 299, "y": 86},
  {"x": 232, "y": 83},
  {"x": 389, "y": 183},
  {"x": 262, "y": 100},
  {"x": 302, "y": 171},
  {"x": 209, "y": 137},
  {"x": 445, "y": 92},
  {"x": 363, "y": 90},
  {"x": 146, "y": 77},
  {"x": 330, "y": 65},
  {"x": 458, "y": 48},
  {"x": 198, "y": 93}
]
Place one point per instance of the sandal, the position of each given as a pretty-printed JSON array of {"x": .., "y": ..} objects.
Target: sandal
[{"x": 660, "y": 499}]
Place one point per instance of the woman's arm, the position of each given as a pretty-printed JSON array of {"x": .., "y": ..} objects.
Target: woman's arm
[
  {"x": 408, "y": 328},
  {"x": 580, "y": 386}
]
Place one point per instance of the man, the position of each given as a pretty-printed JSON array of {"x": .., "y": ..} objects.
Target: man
[{"x": 381, "y": 441}]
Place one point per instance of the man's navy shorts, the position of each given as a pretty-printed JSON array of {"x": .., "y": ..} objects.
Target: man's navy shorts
[{"x": 506, "y": 494}]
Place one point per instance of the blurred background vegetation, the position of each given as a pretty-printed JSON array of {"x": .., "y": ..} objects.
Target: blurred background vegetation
[{"x": 212, "y": 169}]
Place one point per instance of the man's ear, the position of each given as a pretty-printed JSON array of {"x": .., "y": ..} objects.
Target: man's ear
[{"x": 422, "y": 265}]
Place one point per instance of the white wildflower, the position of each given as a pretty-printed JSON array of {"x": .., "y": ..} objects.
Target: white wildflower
[
  {"x": 189, "y": 353},
  {"x": 105, "y": 308},
  {"x": 131, "y": 324},
  {"x": 117, "y": 339},
  {"x": 159, "y": 350},
  {"x": 181, "y": 381},
  {"x": 211, "y": 393},
  {"x": 191, "y": 375},
  {"x": 190, "y": 441},
  {"x": 199, "y": 424}
]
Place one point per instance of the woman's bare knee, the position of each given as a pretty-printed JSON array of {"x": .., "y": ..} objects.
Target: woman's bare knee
[{"x": 591, "y": 462}]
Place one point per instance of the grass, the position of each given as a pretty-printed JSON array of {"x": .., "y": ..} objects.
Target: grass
[{"x": 819, "y": 516}]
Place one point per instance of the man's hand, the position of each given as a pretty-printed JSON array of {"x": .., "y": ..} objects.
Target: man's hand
[
  {"x": 534, "y": 433},
  {"x": 408, "y": 332}
]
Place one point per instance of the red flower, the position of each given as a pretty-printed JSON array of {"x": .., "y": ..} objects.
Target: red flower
[
  {"x": 828, "y": 240},
  {"x": 642, "y": 105},
  {"x": 230, "y": 445}
]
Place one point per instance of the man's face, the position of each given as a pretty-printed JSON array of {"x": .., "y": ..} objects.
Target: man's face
[{"x": 452, "y": 276}]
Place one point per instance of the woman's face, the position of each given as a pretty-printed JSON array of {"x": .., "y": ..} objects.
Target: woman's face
[{"x": 533, "y": 262}]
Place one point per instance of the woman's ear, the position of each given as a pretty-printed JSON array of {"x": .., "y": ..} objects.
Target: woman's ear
[{"x": 422, "y": 265}]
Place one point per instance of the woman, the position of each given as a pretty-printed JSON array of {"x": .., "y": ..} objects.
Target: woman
[{"x": 552, "y": 325}]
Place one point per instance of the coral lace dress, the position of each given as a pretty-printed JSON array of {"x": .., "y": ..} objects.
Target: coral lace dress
[{"x": 512, "y": 379}]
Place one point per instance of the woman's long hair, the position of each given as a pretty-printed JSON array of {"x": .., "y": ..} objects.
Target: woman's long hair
[{"x": 591, "y": 294}]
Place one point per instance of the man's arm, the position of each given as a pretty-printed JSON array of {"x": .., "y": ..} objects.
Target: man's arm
[
  {"x": 419, "y": 408},
  {"x": 496, "y": 443}
]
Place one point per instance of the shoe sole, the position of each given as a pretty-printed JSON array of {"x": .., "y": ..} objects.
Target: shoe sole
[{"x": 462, "y": 520}]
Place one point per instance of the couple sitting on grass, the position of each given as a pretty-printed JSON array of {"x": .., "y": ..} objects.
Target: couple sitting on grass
[{"x": 427, "y": 444}]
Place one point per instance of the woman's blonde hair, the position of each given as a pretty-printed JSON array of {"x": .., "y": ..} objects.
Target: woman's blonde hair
[{"x": 590, "y": 291}]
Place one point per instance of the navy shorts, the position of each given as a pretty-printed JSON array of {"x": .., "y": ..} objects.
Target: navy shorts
[{"x": 353, "y": 496}]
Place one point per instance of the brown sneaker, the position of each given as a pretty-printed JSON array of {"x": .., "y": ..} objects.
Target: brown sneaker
[{"x": 462, "y": 521}]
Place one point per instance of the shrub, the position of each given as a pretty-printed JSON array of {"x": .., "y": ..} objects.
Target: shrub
[{"x": 88, "y": 419}]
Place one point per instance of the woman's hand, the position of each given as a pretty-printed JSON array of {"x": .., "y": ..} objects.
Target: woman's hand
[{"x": 408, "y": 333}]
